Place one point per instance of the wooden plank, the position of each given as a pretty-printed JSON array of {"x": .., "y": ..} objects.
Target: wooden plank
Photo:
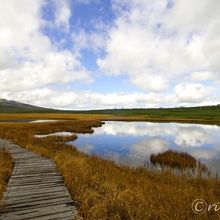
[{"x": 35, "y": 190}]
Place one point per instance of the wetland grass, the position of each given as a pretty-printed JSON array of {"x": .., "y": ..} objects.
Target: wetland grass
[
  {"x": 103, "y": 190},
  {"x": 6, "y": 167},
  {"x": 179, "y": 160}
]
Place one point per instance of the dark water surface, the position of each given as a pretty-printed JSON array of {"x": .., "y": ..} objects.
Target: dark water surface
[{"x": 132, "y": 143}]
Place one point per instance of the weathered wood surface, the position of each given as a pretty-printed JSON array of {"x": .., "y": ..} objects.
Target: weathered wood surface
[{"x": 35, "y": 190}]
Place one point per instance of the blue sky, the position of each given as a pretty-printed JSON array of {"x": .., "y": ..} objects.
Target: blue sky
[
  {"x": 89, "y": 54},
  {"x": 86, "y": 17}
]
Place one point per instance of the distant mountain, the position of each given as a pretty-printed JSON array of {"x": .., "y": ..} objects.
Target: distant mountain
[
  {"x": 199, "y": 112},
  {"x": 8, "y": 106}
]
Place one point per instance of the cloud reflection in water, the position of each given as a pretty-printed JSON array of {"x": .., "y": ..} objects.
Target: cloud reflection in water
[{"x": 131, "y": 143}]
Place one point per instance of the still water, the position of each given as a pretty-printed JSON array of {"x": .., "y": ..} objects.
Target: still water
[{"x": 132, "y": 143}]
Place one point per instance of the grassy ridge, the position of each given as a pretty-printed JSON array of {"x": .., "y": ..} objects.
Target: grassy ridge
[
  {"x": 8, "y": 106},
  {"x": 204, "y": 115},
  {"x": 6, "y": 167},
  {"x": 204, "y": 112},
  {"x": 103, "y": 190}
]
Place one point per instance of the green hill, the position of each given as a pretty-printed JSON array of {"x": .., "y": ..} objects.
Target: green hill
[
  {"x": 208, "y": 113},
  {"x": 8, "y": 106}
]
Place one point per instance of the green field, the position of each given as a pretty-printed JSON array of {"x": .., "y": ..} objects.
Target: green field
[{"x": 208, "y": 112}]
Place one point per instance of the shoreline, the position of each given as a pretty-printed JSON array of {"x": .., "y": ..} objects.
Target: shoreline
[
  {"x": 6, "y": 118},
  {"x": 103, "y": 190}
]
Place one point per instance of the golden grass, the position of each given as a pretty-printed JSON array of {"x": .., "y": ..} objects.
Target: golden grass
[
  {"x": 63, "y": 116},
  {"x": 103, "y": 190},
  {"x": 54, "y": 116},
  {"x": 6, "y": 167},
  {"x": 179, "y": 160}
]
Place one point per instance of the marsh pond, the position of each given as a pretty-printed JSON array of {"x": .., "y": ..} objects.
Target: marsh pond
[{"x": 132, "y": 143}]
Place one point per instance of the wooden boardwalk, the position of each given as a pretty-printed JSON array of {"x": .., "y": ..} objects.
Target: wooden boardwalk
[{"x": 35, "y": 190}]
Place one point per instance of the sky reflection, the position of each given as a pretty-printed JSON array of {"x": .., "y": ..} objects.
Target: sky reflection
[{"x": 132, "y": 143}]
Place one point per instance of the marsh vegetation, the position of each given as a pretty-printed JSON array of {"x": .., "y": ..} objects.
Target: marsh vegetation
[
  {"x": 181, "y": 162},
  {"x": 103, "y": 190},
  {"x": 6, "y": 167}
]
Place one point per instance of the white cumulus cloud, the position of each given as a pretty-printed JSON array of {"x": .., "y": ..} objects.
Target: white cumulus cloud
[
  {"x": 159, "y": 43},
  {"x": 191, "y": 92},
  {"x": 28, "y": 59},
  {"x": 167, "y": 50}
]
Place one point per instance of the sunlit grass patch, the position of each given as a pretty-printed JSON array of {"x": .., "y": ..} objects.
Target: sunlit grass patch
[
  {"x": 6, "y": 167},
  {"x": 103, "y": 190},
  {"x": 175, "y": 159},
  {"x": 182, "y": 161}
]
